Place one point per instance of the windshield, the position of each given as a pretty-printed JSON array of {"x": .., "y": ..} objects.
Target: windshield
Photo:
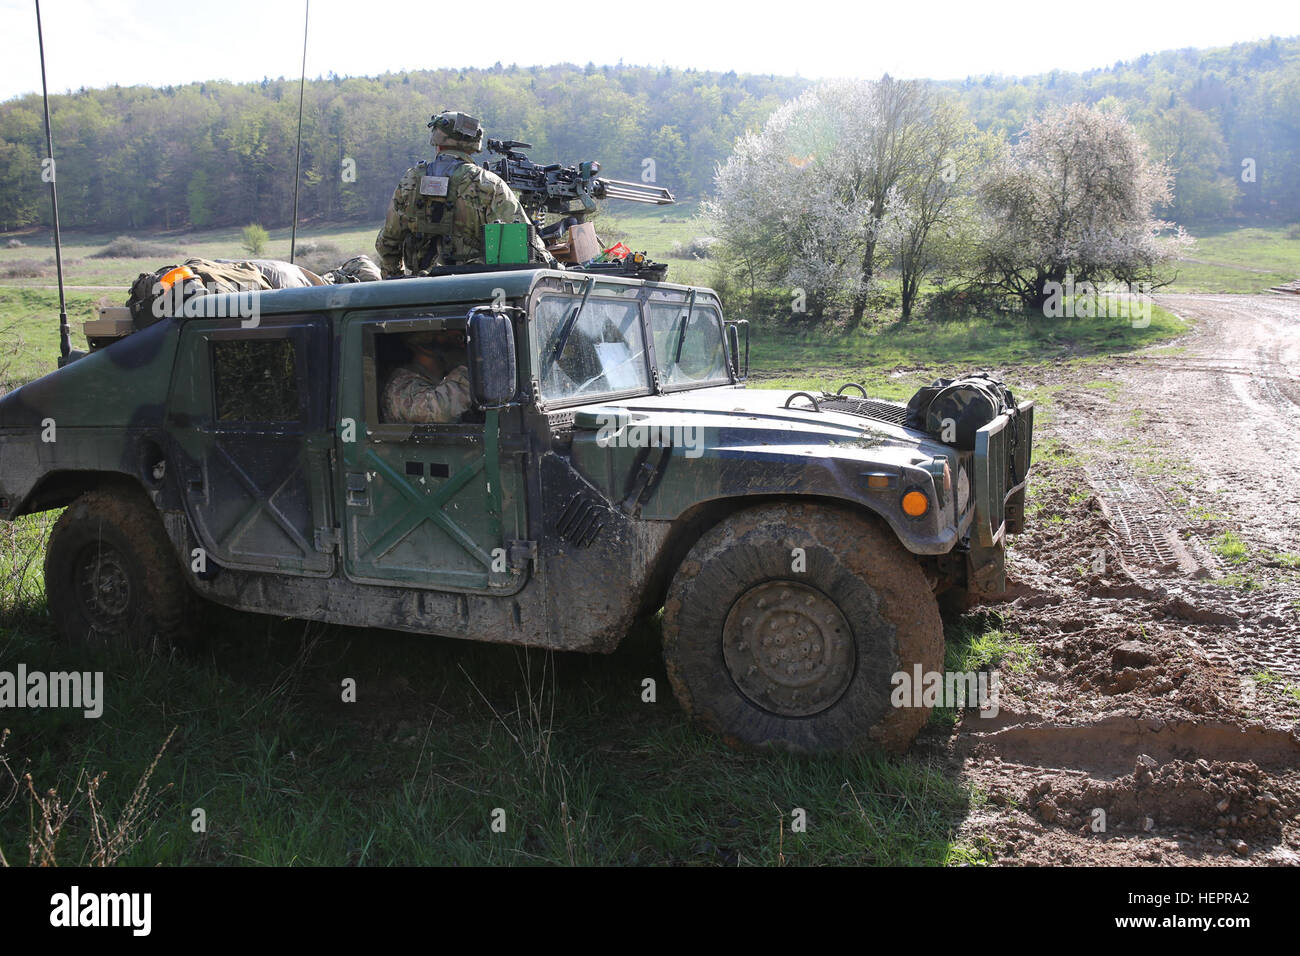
[
  {"x": 695, "y": 357},
  {"x": 601, "y": 352}
]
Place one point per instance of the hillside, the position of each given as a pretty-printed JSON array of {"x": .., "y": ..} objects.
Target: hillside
[{"x": 221, "y": 154}]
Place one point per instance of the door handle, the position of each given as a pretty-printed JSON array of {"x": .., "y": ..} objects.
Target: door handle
[{"x": 358, "y": 488}]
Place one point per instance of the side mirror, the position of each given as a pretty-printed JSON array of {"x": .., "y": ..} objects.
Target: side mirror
[
  {"x": 733, "y": 347},
  {"x": 493, "y": 373}
]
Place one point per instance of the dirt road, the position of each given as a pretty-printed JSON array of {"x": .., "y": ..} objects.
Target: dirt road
[{"x": 1151, "y": 712}]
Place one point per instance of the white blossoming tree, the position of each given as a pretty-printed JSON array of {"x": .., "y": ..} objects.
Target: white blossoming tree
[
  {"x": 1074, "y": 197},
  {"x": 839, "y": 180}
]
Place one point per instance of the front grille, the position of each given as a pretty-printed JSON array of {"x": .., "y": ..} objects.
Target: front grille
[
  {"x": 561, "y": 423},
  {"x": 891, "y": 412}
]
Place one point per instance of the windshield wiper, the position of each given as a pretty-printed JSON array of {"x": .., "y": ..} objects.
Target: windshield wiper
[
  {"x": 567, "y": 327},
  {"x": 686, "y": 321}
]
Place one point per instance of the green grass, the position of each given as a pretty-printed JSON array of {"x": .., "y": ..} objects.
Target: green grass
[
  {"x": 893, "y": 360},
  {"x": 1230, "y": 548},
  {"x": 652, "y": 230},
  {"x": 1284, "y": 687},
  {"x": 80, "y": 269},
  {"x": 443, "y": 734},
  {"x": 978, "y": 642},
  {"x": 29, "y": 330},
  {"x": 655, "y": 231},
  {"x": 1243, "y": 581},
  {"x": 1248, "y": 259}
]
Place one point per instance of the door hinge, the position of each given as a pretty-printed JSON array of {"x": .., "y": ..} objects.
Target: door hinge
[
  {"x": 519, "y": 553},
  {"x": 327, "y": 540}
]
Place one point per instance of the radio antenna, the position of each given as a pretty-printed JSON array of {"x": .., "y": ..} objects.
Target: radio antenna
[
  {"x": 297, "y": 161},
  {"x": 65, "y": 343}
]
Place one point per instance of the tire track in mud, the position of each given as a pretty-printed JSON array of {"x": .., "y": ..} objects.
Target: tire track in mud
[
  {"x": 1146, "y": 698},
  {"x": 1262, "y": 335},
  {"x": 1146, "y": 524}
]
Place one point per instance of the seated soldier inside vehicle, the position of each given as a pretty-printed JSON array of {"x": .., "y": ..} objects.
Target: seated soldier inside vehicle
[{"x": 432, "y": 386}]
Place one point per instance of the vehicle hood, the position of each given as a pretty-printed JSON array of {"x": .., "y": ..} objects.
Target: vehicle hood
[{"x": 732, "y": 421}]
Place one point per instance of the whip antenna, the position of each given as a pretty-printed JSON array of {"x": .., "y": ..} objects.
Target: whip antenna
[
  {"x": 297, "y": 161},
  {"x": 65, "y": 344}
]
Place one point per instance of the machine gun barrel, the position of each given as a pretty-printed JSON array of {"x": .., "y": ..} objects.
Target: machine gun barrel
[{"x": 633, "y": 192}]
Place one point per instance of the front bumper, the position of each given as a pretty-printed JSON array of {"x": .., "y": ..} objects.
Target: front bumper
[{"x": 1003, "y": 455}]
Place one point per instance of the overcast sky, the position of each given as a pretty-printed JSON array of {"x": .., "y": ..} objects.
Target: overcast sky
[{"x": 98, "y": 43}]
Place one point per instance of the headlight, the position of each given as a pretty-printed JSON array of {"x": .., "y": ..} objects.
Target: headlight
[{"x": 963, "y": 490}]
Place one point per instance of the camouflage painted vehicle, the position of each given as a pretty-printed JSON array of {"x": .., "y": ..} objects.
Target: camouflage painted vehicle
[{"x": 614, "y": 464}]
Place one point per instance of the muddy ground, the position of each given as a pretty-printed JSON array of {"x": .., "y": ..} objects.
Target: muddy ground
[{"x": 1157, "y": 593}]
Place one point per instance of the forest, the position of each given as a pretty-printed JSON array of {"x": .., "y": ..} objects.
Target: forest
[{"x": 1226, "y": 121}]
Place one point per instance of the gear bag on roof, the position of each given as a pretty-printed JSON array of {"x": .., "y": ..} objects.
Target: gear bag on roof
[{"x": 195, "y": 277}]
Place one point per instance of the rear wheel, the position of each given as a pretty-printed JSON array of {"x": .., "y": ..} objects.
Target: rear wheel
[
  {"x": 785, "y": 624},
  {"x": 111, "y": 574}
]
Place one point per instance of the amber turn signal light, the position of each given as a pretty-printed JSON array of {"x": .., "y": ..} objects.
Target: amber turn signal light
[{"x": 915, "y": 504}]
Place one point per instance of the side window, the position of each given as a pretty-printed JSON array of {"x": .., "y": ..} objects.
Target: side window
[
  {"x": 255, "y": 380},
  {"x": 430, "y": 365}
]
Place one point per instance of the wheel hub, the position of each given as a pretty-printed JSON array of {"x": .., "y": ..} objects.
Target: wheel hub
[
  {"x": 788, "y": 648},
  {"x": 103, "y": 586}
]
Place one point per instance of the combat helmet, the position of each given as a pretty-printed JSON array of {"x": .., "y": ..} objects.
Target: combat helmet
[{"x": 453, "y": 128}]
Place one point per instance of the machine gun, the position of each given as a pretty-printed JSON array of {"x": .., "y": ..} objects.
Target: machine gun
[{"x": 570, "y": 192}]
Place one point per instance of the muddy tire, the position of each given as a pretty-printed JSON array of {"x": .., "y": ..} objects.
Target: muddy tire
[
  {"x": 768, "y": 656},
  {"x": 111, "y": 575}
]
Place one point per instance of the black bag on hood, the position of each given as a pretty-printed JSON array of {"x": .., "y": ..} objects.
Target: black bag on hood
[{"x": 953, "y": 410}]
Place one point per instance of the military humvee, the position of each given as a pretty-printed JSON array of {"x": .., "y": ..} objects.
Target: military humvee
[{"x": 613, "y": 464}]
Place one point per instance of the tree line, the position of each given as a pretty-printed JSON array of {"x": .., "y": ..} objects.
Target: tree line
[{"x": 221, "y": 154}]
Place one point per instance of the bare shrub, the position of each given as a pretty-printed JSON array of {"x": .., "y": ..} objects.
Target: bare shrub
[
  {"x": 25, "y": 269},
  {"x": 108, "y": 840},
  {"x": 322, "y": 259},
  {"x": 125, "y": 247},
  {"x": 701, "y": 247},
  {"x": 312, "y": 247}
]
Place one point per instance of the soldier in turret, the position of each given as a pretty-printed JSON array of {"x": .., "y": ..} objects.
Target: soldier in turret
[{"x": 440, "y": 207}]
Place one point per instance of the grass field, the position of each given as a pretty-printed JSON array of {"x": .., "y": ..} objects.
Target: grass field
[
  {"x": 1250, "y": 259},
  {"x": 443, "y": 734},
  {"x": 893, "y": 361},
  {"x": 1240, "y": 260}
]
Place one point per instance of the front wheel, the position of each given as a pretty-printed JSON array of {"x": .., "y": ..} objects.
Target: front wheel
[
  {"x": 111, "y": 575},
  {"x": 785, "y": 625}
]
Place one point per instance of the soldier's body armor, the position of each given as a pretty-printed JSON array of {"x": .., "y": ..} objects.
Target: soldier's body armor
[{"x": 429, "y": 213}]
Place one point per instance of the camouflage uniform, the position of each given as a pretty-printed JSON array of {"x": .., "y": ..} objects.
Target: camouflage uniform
[
  {"x": 417, "y": 396},
  {"x": 415, "y": 236}
]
